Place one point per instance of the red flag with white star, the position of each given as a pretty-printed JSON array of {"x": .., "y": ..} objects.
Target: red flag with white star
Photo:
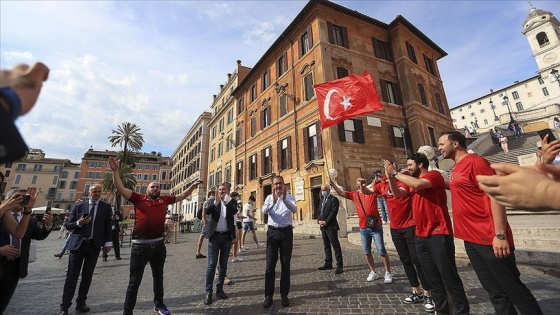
[{"x": 345, "y": 98}]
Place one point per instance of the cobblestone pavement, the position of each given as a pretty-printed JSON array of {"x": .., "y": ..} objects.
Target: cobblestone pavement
[{"x": 312, "y": 291}]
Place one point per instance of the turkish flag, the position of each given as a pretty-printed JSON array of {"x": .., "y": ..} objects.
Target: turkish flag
[{"x": 344, "y": 98}]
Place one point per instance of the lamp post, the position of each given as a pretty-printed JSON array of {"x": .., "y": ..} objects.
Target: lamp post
[
  {"x": 402, "y": 129},
  {"x": 511, "y": 120},
  {"x": 556, "y": 75},
  {"x": 493, "y": 110}
]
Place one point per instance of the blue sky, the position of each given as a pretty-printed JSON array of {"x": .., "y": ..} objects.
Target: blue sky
[{"x": 158, "y": 63}]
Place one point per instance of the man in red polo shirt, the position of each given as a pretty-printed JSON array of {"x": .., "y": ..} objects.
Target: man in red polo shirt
[
  {"x": 147, "y": 237},
  {"x": 482, "y": 224},
  {"x": 434, "y": 233}
]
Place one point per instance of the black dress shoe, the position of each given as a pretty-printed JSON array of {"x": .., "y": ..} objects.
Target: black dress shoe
[
  {"x": 200, "y": 256},
  {"x": 83, "y": 307},
  {"x": 221, "y": 294},
  {"x": 338, "y": 271},
  {"x": 325, "y": 267},
  {"x": 267, "y": 301},
  {"x": 63, "y": 312},
  {"x": 118, "y": 258},
  {"x": 58, "y": 256},
  {"x": 285, "y": 300},
  {"x": 104, "y": 258},
  {"x": 208, "y": 298}
]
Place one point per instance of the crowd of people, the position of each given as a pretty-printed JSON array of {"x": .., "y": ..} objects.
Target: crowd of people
[{"x": 413, "y": 201}]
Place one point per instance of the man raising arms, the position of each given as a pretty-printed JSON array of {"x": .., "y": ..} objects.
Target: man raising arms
[{"x": 147, "y": 237}]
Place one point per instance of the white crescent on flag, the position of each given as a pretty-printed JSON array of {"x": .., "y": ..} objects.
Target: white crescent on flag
[{"x": 327, "y": 105}]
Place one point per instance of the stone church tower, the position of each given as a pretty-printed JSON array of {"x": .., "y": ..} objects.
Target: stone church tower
[{"x": 542, "y": 30}]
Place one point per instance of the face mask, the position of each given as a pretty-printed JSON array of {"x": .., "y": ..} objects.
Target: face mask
[
  {"x": 325, "y": 194},
  {"x": 212, "y": 197}
]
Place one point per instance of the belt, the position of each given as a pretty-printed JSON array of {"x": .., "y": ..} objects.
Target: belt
[
  {"x": 152, "y": 245},
  {"x": 88, "y": 241},
  {"x": 285, "y": 228},
  {"x": 226, "y": 232}
]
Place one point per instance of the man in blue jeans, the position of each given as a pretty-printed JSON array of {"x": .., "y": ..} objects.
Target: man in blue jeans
[
  {"x": 220, "y": 232},
  {"x": 381, "y": 201},
  {"x": 147, "y": 237}
]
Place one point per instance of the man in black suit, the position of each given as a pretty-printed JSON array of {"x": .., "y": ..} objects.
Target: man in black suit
[
  {"x": 329, "y": 229},
  {"x": 15, "y": 251},
  {"x": 116, "y": 218},
  {"x": 90, "y": 222}
]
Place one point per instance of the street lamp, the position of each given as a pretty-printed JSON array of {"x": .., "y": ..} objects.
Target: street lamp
[
  {"x": 556, "y": 75},
  {"x": 511, "y": 120},
  {"x": 493, "y": 110},
  {"x": 402, "y": 129}
]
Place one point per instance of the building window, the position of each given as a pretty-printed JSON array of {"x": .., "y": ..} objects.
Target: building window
[
  {"x": 439, "y": 103},
  {"x": 228, "y": 142},
  {"x": 219, "y": 177},
  {"x": 77, "y": 175},
  {"x": 253, "y": 93},
  {"x": 145, "y": 176},
  {"x": 18, "y": 178},
  {"x": 230, "y": 116},
  {"x": 306, "y": 42},
  {"x": 422, "y": 92},
  {"x": 64, "y": 174},
  {"x": 7, "y": 173},
  {"x": 351, "y": 130},
  {"x": 212, "y": 154},
  {"x": 220, "y": 149},
  {"x": 239, "y": 173},
  {"x": 430, "y": 65},
  {"x": 266, "y": 161},
  {"x": 154, "y": 177},
  {"x": 284, "y": 152},
  {"x": 411, "y": 53},
  {"x": 227, "y": 175},
  {"x": 265, "y": 80},
  {"x": 55, "y": 180},
  {"x": 73, "y": 184},
  {"x": 58, "y": 168},
  {"x": 240, "y": 107},
  {"x": 163, "y": 175},
  {"x": 432, "y": 135},
  {"x": 62, "y": 184},
  {"x": 211, "y": 179},
  {"x": 238, "y": 136},
  {"x": 213, "y": 133},
  {"x": 309, "y": 92},
  {"x": 341, "y": 72},
  {"x": 338, "y": 35},
  {"x": 390, "y": 92},
  {"x": 52, "y": 191},
  {"x": 253, "y": 125},
  {"x": 545, "y": 91},
  {"x": 515, "y": 95},
  {"x": 541, "y": 81},
  {"x": 397, "y": 138},
  {"x": 519, "y": 106},
  {"x": 221, "y": 125},
  {"x": 21, "y": 167},
  {"x": 281, "y": 65},
  {"x": 34, "y": 180},
  {"x": 542, "y": 39},
  {"x": 312, "y": 142},
  {"x": 253, "y": 170},
  {"x": 37, "y": 168},
  {"x": 283, "y": 105},
  {"x": 382, "y": 50},
  {"x": 265, "y": 117}
]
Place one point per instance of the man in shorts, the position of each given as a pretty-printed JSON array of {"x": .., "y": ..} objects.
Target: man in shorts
[{"x": 249, "y": 223}]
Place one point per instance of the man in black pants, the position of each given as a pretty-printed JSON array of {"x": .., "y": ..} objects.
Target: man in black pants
[
  {"x": 116, "y": 219},
  {"x": 279, "y": 206},
  {"x": 327, "y": 219}
]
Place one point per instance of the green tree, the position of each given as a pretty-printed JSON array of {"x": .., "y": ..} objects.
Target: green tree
[
  {"x": 128, "y": 178},
  {"x": 129, "y": 138}
]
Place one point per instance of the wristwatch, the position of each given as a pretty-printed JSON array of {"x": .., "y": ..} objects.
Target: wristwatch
[
  {"x": 394, "y": 173},
  {"x": 501, "y": 236}
]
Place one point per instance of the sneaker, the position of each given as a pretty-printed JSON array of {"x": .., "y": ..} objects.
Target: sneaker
[
  {"x": 243, "y": 249},
  {"x": 372, "y": 276},
  {"x": 227, "y": 281},
  {"x": 260, "y": 245},
  {"x": 414, "y": 298},
  {"x": 237, "y": 259},
  {"x": 429, "y": 304},
  {"x": 162, "y": 310},
  {"x": 388, "y": 278}
]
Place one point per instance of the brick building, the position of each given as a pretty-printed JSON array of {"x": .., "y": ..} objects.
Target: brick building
[{"x": 281, "y": 133}]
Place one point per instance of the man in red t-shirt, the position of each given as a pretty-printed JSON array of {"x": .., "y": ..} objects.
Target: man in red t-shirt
[
  {"x": 367, "y": 205},
  {"x": 147, "y": 237},
  {"x": 482, "y": 224},
  {"x": 403, "y": 230},
  {"x": 434, "y": 233}
]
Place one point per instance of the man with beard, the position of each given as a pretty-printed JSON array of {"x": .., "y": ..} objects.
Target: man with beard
[
  {"x": 482, "y": 224},
  {"x": 147, "y": 237},
  {"x": 434, "y": 233}
]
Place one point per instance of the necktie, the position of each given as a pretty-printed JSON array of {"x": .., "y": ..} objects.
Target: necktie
[
  {"x": 89, "y": 232},
  {"x": 322, "y": 207},
  {"x": 16, "y": 242}
]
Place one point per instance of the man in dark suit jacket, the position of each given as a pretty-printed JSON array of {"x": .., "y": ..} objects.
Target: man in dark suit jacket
[
  {"x": 220, "y": 232},
  {"x": 15, "y": 259},
  {"x": 116, "y": 218},
  {"x": 329, "y": 229},
  {"x": 90, "y": 222}
]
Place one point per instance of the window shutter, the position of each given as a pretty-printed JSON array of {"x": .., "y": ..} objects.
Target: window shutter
[
  {"x": 262, "y": 119},
  {"x": 359, "y": 130},
  {"x": 289, "y": 164},
  {"x": 319, "y": 140},
  {"x": 377, "y": 48},
  {"x": 341, "y": 132},
  {"x": 330, "y": 31},
  {"x": 285, "y": 61},
  {"x": 306, "y": 144},
  {"x": 384, "y": 90},
  {"x": 279, "y": 156},
  {"x": 345, "y": 37},
  {"x": 263, "y": 162},
  {"x": 310, "y": 36}
]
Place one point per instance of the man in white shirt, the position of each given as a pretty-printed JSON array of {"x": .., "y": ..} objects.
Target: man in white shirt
[{"x": 249, "y": 223}]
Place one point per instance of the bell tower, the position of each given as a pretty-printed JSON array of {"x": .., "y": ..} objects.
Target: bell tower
[{"x": 542, "y": 30}]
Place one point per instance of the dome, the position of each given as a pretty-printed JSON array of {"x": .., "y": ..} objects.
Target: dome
[{"x": 534, "y": 12}]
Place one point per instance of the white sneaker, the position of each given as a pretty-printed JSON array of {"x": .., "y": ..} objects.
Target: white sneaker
[
  {"x": 236, "y": 259},
  {"x": 388, "y": 278},
  {"x": 243, "y": 249},
  {"x": 372, "y": 276},
  {"x": 260, "y": 245}
]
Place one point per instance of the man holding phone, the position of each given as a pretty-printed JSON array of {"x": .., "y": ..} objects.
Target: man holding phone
[
  {"x": 90, "y": 222},
  {"x": 15, "y": 251}
]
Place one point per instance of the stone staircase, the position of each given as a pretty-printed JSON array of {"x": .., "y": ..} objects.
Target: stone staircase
[{"x": 523, "y": 144}]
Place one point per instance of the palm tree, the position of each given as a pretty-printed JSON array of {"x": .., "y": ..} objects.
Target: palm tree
[
  {"x": 129, "y": 138},
  {"x": 128, "y": 178}
]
